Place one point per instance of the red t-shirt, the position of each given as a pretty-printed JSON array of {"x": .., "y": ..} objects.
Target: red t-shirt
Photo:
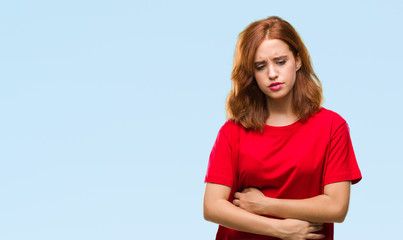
[{"x": 289, "y": 162}]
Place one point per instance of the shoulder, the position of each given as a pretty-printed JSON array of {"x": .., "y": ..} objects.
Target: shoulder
[
  {"x": 328, "y": 120},
  {"x": 328, "y": 116},
  {"x": 229, "y": 127}
]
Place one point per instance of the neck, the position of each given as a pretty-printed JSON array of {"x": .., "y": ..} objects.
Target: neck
[{"x": 281, "y": 112}]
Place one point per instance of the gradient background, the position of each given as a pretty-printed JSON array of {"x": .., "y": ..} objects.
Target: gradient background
[{"x": 109, "y": 110}]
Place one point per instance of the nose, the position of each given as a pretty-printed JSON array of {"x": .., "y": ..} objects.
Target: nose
[{"x": 272, "y": 72}]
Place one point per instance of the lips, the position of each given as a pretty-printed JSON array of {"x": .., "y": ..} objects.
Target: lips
[{"x": 275, "y": 86}]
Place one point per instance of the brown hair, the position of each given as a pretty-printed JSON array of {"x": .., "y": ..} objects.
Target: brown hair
[{"x": 246, "y": 103}]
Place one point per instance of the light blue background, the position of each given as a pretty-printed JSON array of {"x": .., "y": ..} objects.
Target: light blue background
[{"x": 109, "y": 110}]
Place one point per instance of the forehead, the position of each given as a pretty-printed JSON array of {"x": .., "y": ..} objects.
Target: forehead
[{"x": 271, "y": 48}]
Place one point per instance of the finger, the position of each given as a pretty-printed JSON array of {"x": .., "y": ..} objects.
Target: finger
[
  {"x": 315, "y": 228},
  {"x": 315, "y": 224},
  {"x": 237, "y": 195},
  {"x": 314, "y": 236},
  {"x": 236, "y": 202}
]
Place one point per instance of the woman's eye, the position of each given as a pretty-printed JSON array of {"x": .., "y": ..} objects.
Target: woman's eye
[
  {"x": 282, "y": 62},
  {"x": 259, "y": 67}
]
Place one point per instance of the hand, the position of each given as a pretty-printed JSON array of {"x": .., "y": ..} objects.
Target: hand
[
  {"x": 293, "y": 229},
  {"x": 251, "y": 200}
]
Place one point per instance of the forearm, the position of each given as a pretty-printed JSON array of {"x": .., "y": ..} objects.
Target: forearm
[
  {"x": 331, "y": 206},
  {"x": 321, "y": 208},
  {"x": 219, "y": 210},
  {"x": 226, "y": 214}
]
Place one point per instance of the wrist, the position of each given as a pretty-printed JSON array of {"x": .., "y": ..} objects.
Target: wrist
[
  {"x": 275, "y": 228},
  {"x": 268, "y": 206}
]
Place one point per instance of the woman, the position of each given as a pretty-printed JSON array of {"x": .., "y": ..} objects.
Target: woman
[{"x": 296, "y": 162}]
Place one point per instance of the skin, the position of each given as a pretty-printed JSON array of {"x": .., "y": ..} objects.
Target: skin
[
  {"x": 274, "y": 62},
  {"x": 219, "y": 210},
  {"x": 332, "y": 206}
]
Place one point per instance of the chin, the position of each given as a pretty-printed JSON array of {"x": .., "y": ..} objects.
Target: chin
[{"x": 279, "y": 96}]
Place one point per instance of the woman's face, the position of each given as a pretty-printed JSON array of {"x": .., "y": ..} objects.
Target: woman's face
[{"x": 275, "y": 69}]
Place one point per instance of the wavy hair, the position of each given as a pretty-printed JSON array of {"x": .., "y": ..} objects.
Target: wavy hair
[{"x": 246, "y": 103}]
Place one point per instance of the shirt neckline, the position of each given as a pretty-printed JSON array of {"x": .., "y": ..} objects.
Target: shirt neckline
[{"x": 291, "y": 126}]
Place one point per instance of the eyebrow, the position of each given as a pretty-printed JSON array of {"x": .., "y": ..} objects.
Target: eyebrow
[
  {"x": 274, "y": 59},
  {"x": 280, "y": 57}
]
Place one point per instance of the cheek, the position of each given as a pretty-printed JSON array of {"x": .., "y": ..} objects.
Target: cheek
[
  {"x": 260, "y": 77},
  {"x": 290, "y": 72},
  {"x": 260, "y": 80}
]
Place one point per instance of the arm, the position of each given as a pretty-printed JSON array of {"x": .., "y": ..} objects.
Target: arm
[
  {"x": 331, "y": 206},
  {"x": 219, "y": 210}
]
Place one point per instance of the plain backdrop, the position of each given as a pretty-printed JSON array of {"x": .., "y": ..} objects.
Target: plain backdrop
[{"x": 109, "y": 111}]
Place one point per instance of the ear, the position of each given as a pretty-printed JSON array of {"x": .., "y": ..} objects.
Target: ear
[{"x": 298, "y": 62}]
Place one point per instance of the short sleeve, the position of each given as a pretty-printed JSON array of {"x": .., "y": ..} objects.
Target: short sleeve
[
  {"x": 219, "y": 168},
  {"x": 341, "y": 164}
]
